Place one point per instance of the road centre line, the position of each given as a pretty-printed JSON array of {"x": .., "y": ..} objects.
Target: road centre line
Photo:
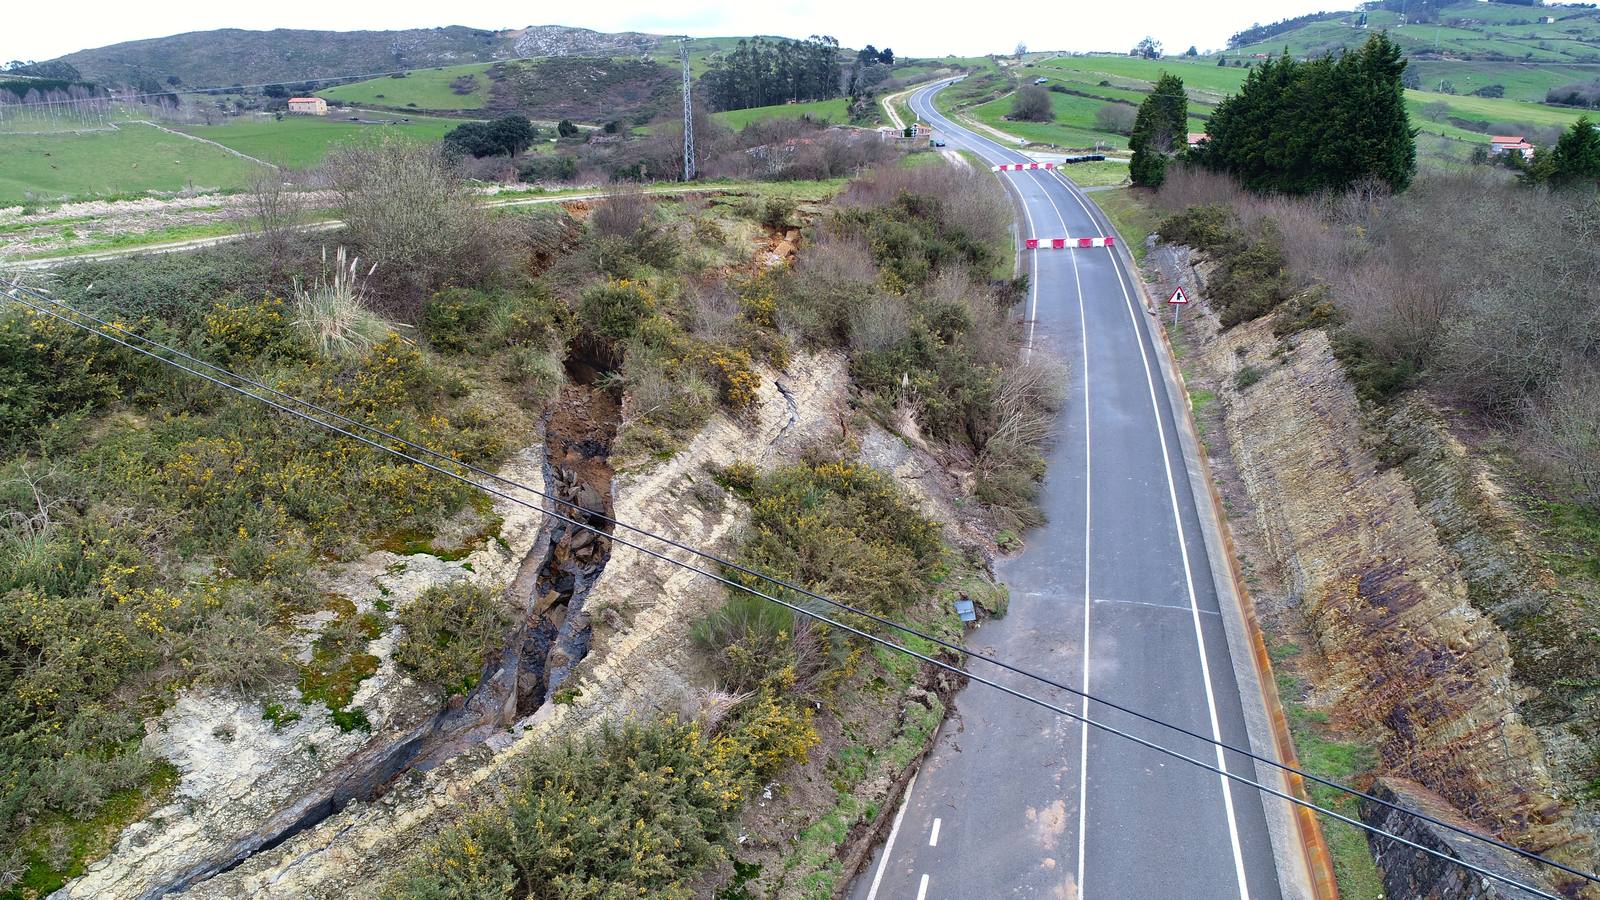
[
  {"x": 1188, "y": 574},
  {"x": 922, "y": 888},
  {"x": 933, "y": 839}
]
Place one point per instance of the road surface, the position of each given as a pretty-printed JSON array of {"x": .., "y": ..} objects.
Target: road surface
[{"x": 1116, "y": 593}]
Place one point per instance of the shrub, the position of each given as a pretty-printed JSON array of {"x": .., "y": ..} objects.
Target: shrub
[
  {"x": 239, "y": 331},
  {"x": 407, "y": 211},
  {"x": 750, "y": 640},
  {"x": 1247, "y": 376},
  {"x": 449, "y": 631},
  {"x": 1032, "y": 104},
  {"x": 616, "y": 309},
  {"x": 635, "y": 811},
  {"x": 1116, "y": 118},
  {"x": 843, "y": 530},
  {"x": 453, "y": 318}
]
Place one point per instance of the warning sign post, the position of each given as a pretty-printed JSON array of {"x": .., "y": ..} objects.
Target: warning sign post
[{"x": 1177, "y": 300}]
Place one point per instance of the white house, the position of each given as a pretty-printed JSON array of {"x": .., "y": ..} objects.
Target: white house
[{"x": 308, "y": 106}]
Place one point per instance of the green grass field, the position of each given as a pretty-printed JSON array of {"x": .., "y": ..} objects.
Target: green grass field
[
  {"x": 836, "y": 111},
  {"x": 422, "y": 88},
  {"x": 130, "y": 159},
  {"x": 304, "y": 141}
]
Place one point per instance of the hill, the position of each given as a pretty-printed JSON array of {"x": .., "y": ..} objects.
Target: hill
[
  {"x": 236, "y": 56},
  {"x": 1454, "y": 48}
]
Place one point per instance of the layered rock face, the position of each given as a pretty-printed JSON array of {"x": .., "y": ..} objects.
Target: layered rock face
[{"x": 1442, "y": 638}]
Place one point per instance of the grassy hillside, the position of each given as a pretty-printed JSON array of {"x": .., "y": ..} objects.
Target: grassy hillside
[
  {"x": 1451, "y": 124},
  {"x": 236, "y": 56},
  {"x": 304, "y": 141},
  {"x": 421, "y": 88},
  {"x": 835, "y": 111},
  {"x": 131, "y": 158}
]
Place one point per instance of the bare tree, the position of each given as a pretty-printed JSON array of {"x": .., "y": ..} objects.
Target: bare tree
[
  {"x": 410, "y": 213},
  {"x": 1115, "y": 117},
  {"x": 276, "y": 212}
]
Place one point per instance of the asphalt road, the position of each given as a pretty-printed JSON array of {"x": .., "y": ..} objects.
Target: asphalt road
[{"x": 1115, "y": 593}]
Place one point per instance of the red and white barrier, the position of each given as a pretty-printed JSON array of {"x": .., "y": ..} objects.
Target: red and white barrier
[
  {"x": 1014, "y": 167},
  {"x": 1068, "y": 243}
]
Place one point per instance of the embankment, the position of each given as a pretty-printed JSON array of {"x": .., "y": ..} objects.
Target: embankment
[{"x": 1378, "y": 541}]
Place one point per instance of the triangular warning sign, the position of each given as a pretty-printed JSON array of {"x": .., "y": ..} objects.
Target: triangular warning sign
[{"x": 1178, "y": 296}]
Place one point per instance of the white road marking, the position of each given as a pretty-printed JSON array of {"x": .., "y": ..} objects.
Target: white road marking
[
  {"x": 1088, "y": 531},
  {"x": 888, "y": 847},
  {"x": 922, "y": 889},
  {"x": 1183, "y": 550},
  {"x": 1100, "y": 600},
  {"x": 933, "y": 839}
]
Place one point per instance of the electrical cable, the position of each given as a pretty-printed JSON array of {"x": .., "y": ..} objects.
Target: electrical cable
[
  {"x": 904, "y": 629},
  {"x": 809, "y": 613}
]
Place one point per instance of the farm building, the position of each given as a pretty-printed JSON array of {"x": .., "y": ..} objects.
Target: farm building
[
  {"x": 308, "y": 106},
  {"x": 1501, "y": 144}
]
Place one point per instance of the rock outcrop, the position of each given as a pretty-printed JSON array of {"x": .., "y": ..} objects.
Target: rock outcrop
[{"x": 1393, "y": 553}]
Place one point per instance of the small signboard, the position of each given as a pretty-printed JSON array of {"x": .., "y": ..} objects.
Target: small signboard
[{"x": 1178, "y": 296}]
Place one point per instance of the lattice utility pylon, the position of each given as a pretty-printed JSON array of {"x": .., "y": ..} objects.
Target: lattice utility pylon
[{"x": 688, "y": 113}]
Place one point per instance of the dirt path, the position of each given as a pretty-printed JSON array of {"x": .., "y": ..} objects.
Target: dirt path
[{"x": 204, "y": 141}]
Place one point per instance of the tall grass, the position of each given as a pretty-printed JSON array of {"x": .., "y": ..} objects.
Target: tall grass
[{"x": 333, "y": 312}]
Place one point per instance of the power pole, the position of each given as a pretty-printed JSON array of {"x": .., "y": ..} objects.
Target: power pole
[{"x": 688, "y": 113}]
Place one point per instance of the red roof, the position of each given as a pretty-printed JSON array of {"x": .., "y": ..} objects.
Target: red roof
[
  {"x": 1507, "y": 139},
  {"x": 1196, "y": 137},
  {"x": 303, "y": 99}
]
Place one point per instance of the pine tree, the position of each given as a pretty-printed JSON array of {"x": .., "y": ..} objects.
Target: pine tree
[
  {"x": 1576, "y": 157},
  {"x": 1158, "y": 131},
  {"x": 1300, "y": 127}
]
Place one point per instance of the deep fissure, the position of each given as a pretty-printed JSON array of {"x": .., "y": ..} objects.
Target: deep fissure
[{"x": 553, "y": 635}]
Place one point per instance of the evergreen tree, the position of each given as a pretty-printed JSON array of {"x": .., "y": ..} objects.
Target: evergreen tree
[
  {"x": 1300, "y": 127},
  {"x": 1576, "y": 157},
  {"x": 1159, "y": 130}
]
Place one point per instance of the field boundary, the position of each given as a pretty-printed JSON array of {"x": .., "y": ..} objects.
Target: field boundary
[{"x": 202, "y": 140}]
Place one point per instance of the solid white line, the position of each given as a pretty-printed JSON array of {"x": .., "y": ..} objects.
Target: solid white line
[
  {"x": 922, "y": 889},
  {"x": 1188, "y": 575},
  {"x": 894, "y": 831},
  {"x": 933, "y": 839},
  {"x": 1088, "y": 531}
]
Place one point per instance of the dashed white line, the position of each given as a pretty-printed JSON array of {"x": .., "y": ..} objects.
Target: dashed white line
[
  {"x": 922, "y": 888},
  {"x": 933, "y": 838},
  {"x": 888, "y": 847}
]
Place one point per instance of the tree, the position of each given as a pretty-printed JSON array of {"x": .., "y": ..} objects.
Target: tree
[
  {"x": 886, "y": 56},
  {"x": 1325, "y": 124},
  {"x": 505, "y": 136},
  {"x": 1149, "y": 48},
  {"x": 1222, "y": 60},
  {"x": 1191, "y": 51},
  {"x": 1020, "y": 51},
  {"x": 1117, "y": 118},
  {"x": 1032, "y": 104},
  {"x": 1576, "y": 157},
  {"x": 1162, "y": 118},
  {"x": 566, "y": 129}
]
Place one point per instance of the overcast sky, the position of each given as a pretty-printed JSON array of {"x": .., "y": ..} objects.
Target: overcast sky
[{"x": 33, "y": 30}]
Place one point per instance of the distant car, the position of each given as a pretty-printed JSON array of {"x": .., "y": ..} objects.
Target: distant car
[
  {"x": 936, "y": 142},
  {"x": 1040, "y": 80}
]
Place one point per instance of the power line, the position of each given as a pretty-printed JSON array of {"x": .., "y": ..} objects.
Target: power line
[
  {"x": 844, "y": 607},
  {"x": 802, "y": 610}
]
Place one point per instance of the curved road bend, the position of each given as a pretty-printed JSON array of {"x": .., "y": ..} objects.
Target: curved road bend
[{"x": 1115, "y": 592}]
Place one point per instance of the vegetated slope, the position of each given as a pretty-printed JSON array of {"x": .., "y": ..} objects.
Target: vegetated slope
[
  {"x": 583, "y": 88},
  {"x": 237, "y": 56},
  {"x": 1470, "y": 29},
  {"x": 445, "y": 87}
]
